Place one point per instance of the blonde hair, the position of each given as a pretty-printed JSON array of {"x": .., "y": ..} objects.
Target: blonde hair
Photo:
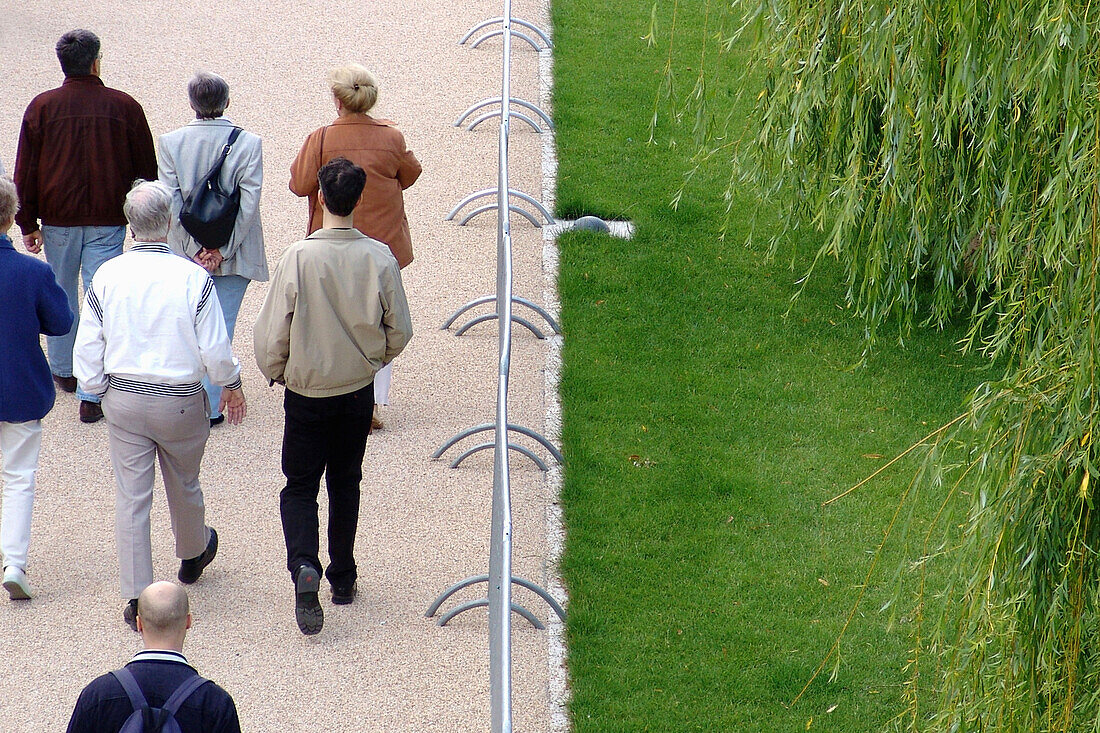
[{"x": 354, "y": 86}]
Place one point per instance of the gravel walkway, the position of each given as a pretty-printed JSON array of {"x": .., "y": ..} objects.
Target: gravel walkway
[{"x": 379, "y": 665}]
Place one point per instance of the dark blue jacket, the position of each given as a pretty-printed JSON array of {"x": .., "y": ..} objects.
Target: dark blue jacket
[
  {"x": 103, "y": 705},
  {"x": 31, "y": 303}
]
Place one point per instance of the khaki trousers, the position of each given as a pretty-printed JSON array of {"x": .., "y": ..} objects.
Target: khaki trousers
[{"x": 174, "y": 430}]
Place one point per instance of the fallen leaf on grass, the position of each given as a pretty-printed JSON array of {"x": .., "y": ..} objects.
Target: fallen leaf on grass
[
  {"x": 875, "y": 456},
  {"x": 832, "y": 708},
  {"x": 823, "y": 582}
]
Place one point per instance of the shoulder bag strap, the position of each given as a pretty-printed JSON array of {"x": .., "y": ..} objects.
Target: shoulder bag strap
[
  {"x": 183, "y": 692},
  {"x": 216, "y": 169},
  {"x": 233, "y": 137},
  {"x": 126, "y": 678}
]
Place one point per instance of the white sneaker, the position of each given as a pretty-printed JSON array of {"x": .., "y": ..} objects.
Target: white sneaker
[{"x": 15, "y": 581}]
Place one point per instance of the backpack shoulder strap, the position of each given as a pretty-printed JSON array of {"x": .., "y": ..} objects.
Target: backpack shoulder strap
[
  {"x": 233, "y": 136},
  {"x": 126, "y": 678},
  {"x": 183, "y": 692}
]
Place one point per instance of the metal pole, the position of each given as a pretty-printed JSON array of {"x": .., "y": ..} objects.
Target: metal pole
[{"x": 500, "y": 546}]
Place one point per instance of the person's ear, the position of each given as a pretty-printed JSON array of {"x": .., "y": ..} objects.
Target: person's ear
[
  {"x": 140, "y": 625},
  {"x": 190, "y": 620}
]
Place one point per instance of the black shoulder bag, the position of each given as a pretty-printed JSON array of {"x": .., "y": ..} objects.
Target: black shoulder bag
[{"x": 209, "y": 213}]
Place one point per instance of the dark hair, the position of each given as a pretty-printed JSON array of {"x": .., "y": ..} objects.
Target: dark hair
[
  {"x": 209, "y": 94},
  {"x": 77, "y": 51},
  {"x": 341, "y": 184}
]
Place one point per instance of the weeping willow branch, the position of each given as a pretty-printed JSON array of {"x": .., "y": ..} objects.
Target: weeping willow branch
[
  {"x": 923, "y": 441},
  {"x": 949, "y": 151}
]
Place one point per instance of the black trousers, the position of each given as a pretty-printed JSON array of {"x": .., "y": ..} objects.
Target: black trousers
[{"x": 324, "y": 435}]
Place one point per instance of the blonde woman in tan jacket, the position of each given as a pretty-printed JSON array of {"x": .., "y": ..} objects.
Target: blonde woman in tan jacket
[{"x": 376, "y": 146}]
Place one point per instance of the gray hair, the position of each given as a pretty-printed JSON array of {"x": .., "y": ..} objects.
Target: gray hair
[
  {"x": 9, "y": 200},
  {"x": 209, "y": 95},
  {"x": 148, "y": 208}
]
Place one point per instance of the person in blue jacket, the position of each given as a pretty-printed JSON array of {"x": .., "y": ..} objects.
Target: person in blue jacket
[{"x": 31, "y": 303}]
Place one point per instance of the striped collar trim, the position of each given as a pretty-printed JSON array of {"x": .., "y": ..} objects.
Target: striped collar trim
[
  {"x": 151, "y": 247},
  {"x": 160, "y": 655}
]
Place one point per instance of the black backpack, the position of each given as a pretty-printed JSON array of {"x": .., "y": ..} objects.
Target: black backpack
[
  {"x": 208, "y": 212},
  {"x": 145, "y": 719}
]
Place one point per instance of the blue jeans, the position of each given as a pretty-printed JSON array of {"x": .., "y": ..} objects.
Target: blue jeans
[
  {"x": 73, "y": 252},
  {"x": 230, "y": 290}
]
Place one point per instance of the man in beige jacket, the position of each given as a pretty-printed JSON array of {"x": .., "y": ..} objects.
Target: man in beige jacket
[{"x": 335, "y": 314}]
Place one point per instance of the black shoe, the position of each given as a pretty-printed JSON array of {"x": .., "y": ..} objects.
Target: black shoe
[
  {"x": 342, "y": 595},
  {"x": 65, "y": 384},
  {"x": 129, "y": 614},
  {"x": 217, "y": 420},
  {"x": 90, "y": 411},
  {"x": 307, "y": 607},
  {"x": 190, "y": 570}
]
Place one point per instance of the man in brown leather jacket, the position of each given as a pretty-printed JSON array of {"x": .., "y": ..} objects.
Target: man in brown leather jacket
[{"x": 81, "y": 146}]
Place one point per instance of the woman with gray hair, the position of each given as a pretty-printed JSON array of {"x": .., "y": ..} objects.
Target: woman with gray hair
[
  {"x": 186, "y": 155},
  {"x": 376, "y": 146}
]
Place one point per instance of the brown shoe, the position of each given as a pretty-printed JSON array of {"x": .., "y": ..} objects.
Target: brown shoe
[
  {"x": 90, "y": 411},
  {"x": 65, "y": 384}
]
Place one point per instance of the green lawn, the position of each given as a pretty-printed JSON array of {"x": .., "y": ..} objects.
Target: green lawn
[{"x": 705, "y": 425}]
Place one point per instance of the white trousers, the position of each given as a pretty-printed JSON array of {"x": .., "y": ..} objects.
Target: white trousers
[
  {"x": 19, "y": 445},
  {"x": 382, "y": 384}
]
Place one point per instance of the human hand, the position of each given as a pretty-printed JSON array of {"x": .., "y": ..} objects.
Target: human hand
[
  {"x": 233, "y": 405},
  {"x": 199, "y": 260},
  {"x": 214, "y": 257},
  {"x": 211, "y": 259},
  {"x": 33, "y": 241}
]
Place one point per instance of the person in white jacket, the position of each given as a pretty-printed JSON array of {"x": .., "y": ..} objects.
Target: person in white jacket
[
  {"x": 185, "y": 156},
  {"x": 151, "y": 329}
]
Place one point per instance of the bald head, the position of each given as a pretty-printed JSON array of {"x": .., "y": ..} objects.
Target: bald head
[{"x": 163, "y": 609}]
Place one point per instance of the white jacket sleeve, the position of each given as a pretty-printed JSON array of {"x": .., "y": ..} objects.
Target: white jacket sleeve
[
  {"x": 217, "y": 354},
  {"x": 90, "y": 346}
]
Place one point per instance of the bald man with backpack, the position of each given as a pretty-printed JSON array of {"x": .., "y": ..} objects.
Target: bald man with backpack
[{"x": 157, "y": 690}]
